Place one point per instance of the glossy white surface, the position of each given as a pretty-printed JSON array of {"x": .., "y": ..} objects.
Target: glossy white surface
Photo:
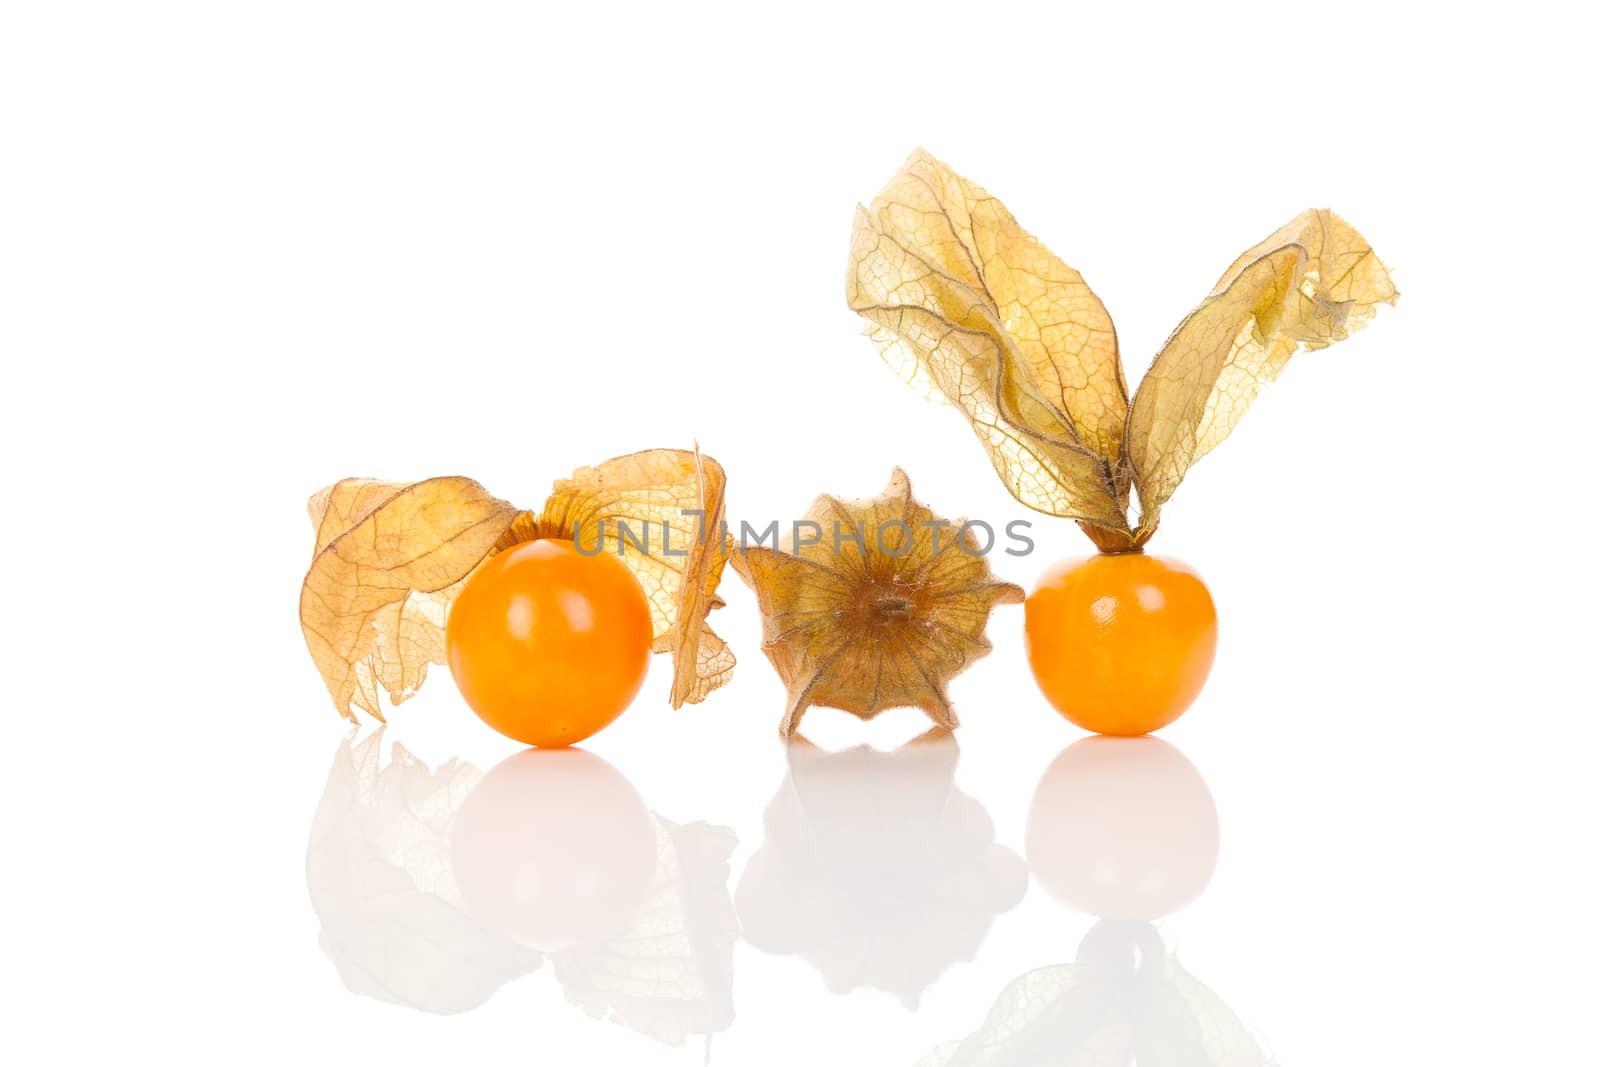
[{"x": 248, "y": 250}]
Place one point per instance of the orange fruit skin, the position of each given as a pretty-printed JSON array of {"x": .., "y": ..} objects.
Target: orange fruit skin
[
  {"x": 1121, "y": 644},
  {"x": 549, "y": 645}
]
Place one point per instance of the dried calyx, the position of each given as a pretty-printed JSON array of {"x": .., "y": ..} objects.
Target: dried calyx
[
  {"x": 966, "y": 305},
  {"x": 878, "y": 618}
]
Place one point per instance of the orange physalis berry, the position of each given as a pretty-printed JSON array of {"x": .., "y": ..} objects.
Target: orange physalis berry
[
  {"x": 549, "y": 645},
  {"x": 1121, "y": 644}
]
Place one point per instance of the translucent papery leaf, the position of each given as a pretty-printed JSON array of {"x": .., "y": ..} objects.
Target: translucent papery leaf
[
  {"x": 379, "y": 875},
  {"x": 1045, "y": 310},
  {"x": 662, "y": 513},
  {"x": 336, "y": 508},
  {"x": 669, "y": 973},
  {"x": 1310, "y": 284},
  {"x": 966, "y": 305},
  {"x": 390, "y": 559},
  {"x": 1042, "y": 471}
]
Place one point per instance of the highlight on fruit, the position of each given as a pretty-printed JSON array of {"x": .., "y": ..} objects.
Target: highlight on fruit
[
  {"x": 546, "y": 625},
  {"x": 967, "y": 306}
]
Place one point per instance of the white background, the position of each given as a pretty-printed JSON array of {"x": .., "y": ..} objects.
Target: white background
[{"x": 246, "y": 249}]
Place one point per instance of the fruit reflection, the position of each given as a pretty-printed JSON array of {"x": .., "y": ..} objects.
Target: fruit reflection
[
  {"x": 876, "y": 869},
  {"x": 431, "y": 886},
  {"x": 1124, "y": 1000},
  {"x": 554, "y": 848},
  {"x": 1125, "y": 829},
  {"x": 1122, "y": 828}
]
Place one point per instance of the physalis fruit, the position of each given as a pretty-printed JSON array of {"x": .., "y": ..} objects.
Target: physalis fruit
[
  {"x": 968, "y": 306},
  {"x": 393, "y": 561}
]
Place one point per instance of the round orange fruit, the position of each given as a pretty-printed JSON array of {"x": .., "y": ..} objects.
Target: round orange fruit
[
  {"x": 1121, "y": 643},
  {"x": 549, "y": 645}
]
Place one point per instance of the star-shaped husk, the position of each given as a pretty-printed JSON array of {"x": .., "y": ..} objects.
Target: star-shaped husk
[
  {"x": 391, "y": 557},
  {"x": 879, "y": 608}
]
